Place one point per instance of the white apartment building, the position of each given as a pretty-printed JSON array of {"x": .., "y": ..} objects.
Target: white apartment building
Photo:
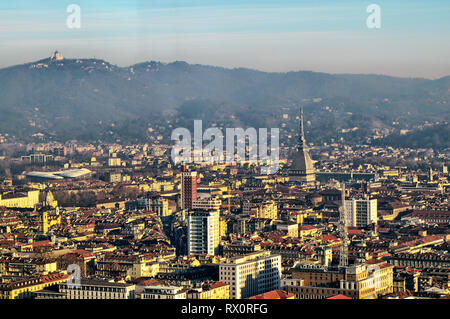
[
  {"x": 203, "y": 232},
  {"x": 251, "y": 274},
  {"x": 361, "y": 212}
]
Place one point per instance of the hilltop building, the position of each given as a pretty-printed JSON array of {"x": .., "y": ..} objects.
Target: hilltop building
[{"x": 56, "y": 56}]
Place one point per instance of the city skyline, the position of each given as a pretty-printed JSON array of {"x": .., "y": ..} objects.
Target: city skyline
[{"x": 220, "y": 154}]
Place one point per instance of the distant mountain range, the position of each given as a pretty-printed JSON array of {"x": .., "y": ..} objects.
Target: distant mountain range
[{"x": 91, "y": 99}]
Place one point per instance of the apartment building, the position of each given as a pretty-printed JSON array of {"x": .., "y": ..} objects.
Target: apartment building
[
  {"x": 359, "y": 281},
  {"x": 251, "y": 274},
  {"x": 203, "y": 232},
  {"x": 163, "y": 292},
  {"x": 97, "y": 289},
  {"x": 361, "y": 212},
  {"x": 25, "y": 288}
]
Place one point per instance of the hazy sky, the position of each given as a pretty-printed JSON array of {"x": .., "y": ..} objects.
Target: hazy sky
[{"x": 277, "y": 35}]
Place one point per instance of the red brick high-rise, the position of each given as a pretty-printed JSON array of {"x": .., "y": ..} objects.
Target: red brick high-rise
[{"x": 188, "y": 188}]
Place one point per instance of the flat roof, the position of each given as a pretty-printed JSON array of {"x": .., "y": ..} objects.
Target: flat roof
[
  {"x": 59, "y": 175},
  {"x": 98, "y": 282}
]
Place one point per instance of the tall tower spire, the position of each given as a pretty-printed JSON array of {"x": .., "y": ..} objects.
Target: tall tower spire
[
  {"x": 302, "y": 167},
  {"x": 301, "y": 138}
]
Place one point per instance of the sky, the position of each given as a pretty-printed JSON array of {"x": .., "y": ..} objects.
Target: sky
[{"x": 276, "y": 36}]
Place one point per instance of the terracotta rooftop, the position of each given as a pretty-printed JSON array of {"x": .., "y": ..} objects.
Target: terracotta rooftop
[
  {"x": 339, "y": 297},
  {"x": 274, "y": 294}
]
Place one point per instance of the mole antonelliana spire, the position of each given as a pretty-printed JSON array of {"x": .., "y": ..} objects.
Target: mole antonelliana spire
[
  {"x": 301, "y": 137},
  {"x": 302, "y": 168}
]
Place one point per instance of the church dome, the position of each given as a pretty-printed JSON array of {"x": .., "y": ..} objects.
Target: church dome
[{"x": 302, "y": 161}]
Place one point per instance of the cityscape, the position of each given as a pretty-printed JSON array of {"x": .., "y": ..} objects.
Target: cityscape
[
  {"x": 125, "y": 222},
  {"x": 188, "y": 181}
]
